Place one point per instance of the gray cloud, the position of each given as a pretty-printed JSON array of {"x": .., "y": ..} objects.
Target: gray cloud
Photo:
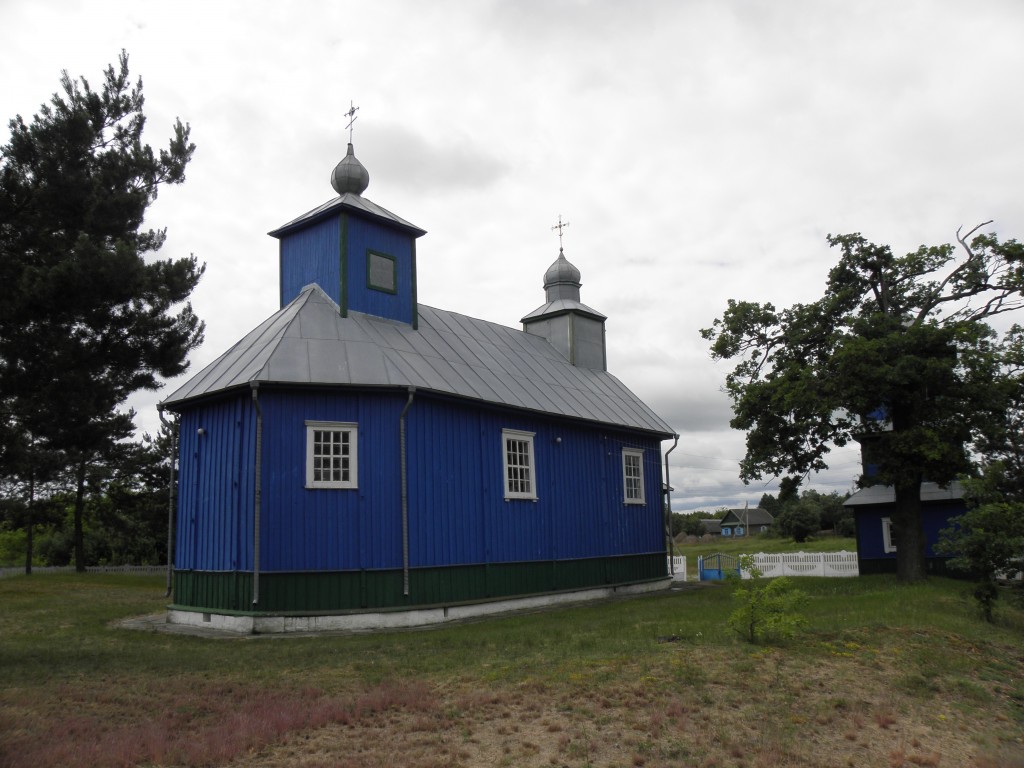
[{"x": 701, "y": 152}]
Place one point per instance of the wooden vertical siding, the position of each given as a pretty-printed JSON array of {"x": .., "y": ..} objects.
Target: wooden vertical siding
[
  {"x": 215, "y": 486},
  {"x": 871, "y": 554},
  {"x": 870, "y": 544},
  {"x": 465, "y": 540},
  {"x": 362, "y": 236},
  {"x": 330, "y": 529},
  {"x": 457, "y": 508},
  {"x": 312, "y": 255},
  {"x": 332, "y": 253}
]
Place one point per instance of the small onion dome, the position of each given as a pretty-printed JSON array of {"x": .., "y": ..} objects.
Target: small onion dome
[
  {"x": 349, "y": 175},
  {"x": 561, "y": 272}
]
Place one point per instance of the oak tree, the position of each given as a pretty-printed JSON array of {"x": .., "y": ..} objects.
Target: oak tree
[
  {"x": 897, "y": 353},
  {"x": 987, "y": 543}
]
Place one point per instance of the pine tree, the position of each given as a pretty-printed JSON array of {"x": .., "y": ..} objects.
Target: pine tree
[{"x": 87, "y": 314}]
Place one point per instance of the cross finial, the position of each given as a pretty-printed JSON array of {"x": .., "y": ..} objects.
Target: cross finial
[
  {"x": 351, "y": 115},
  {"x": 560, "y": 226}
]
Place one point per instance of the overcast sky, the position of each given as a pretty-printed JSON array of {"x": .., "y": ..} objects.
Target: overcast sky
[{"x": 701, "y": 151}]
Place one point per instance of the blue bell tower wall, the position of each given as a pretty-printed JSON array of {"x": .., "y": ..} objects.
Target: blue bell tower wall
[
  {"x": 312, "y": 255},
  {"x": 363, "y": 265}
]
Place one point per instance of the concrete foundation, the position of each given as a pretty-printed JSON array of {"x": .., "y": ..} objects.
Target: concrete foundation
[{"x": 259, "y": 624}]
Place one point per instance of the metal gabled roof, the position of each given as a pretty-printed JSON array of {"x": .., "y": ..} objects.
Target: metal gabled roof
[
  {"x": 561, "y": 307},
  {"x": 309, "y": 342},
  {"x": 886, "y": 494},
  {"x": 352, "y": 202},
  {"x": 749, "y": 516}
]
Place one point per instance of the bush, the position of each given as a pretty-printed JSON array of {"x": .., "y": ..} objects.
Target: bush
[
  {"x": 768, "y": 610},
  {"x": 988, "y": 544}
]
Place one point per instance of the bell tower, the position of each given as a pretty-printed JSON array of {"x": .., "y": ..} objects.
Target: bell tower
[
  {"x": 573, "y": 328},
  {"x": 360, "y": 254}
]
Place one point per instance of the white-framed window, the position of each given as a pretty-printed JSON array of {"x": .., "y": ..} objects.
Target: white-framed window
[
  {"x": 520, "y": 479},
  {"x": 332, "y": 454},
  {"x": 887, "y": 544},
  {"x": 633, "y": 475}
]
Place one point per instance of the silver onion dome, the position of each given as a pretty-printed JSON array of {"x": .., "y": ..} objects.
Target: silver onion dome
[
  {"x": 561, "y": 272},
  {"x": 562, "y": 280},
  {"x": 349, "y": 175}
]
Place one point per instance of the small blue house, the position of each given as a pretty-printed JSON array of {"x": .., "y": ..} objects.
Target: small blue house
[
  {"x": 360, "y": 459},
  {"x": 737, "y": 523}
]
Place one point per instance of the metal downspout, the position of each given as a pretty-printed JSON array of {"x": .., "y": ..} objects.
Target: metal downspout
[
  {"x": 668, "y": 511},
  {"x": 172, "y": 496},
  {"x": 256, "y": 496},
  {"x": 405, "y": 493}
]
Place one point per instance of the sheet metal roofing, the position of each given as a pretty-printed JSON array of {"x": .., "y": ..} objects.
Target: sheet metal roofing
[
  {"x": 309, "y": 342},
  {"x": 352, "y": 202},
  {"x": 886, "y": 494},
  {"x": 562, "y": 306}
]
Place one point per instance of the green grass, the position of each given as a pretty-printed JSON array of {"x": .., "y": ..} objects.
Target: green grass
[{"x": 655, "y": 676}]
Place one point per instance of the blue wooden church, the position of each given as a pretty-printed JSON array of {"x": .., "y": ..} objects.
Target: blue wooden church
[{"x": 361, "y": 460}]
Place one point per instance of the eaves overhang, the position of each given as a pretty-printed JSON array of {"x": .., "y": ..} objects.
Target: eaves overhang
[
  {"x": 351, "y": 203},
  {"x": 886, "y": 494},
  {"x": 270, "y": 387},
  {"x": 308, "y": 343},
  {"x": 561, "y": 307}
]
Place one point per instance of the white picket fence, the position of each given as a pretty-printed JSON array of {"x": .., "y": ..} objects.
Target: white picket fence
[
  {"x": 677, "y": 567},
  {"x": 833, "y": 564}
]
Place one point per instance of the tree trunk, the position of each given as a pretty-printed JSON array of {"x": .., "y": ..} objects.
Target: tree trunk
[
  {"x": 908, "y": 532},
  {"x": 79, "y": 509},
  {"x": 30, "y": 522}
]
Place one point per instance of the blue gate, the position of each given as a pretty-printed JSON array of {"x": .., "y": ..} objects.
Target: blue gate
[{"x": 716, "y": 567}]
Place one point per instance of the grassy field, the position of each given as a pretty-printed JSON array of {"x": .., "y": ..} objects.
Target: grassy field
[{"x": 886, "y": 675}]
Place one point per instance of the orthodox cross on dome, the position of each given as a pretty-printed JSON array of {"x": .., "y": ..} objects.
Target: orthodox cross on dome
[
  {"x": 560, "y": 226},
  {"x": 351, "y": 115}
]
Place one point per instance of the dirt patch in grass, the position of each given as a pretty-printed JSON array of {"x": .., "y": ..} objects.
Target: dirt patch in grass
[
  {"x": 769, "y": 713},
  {"x": 650, "y": 682},
  {"x": 837, "y": 704}
]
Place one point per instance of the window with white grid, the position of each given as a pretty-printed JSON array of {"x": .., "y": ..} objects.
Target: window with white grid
[
  {"x": 519, "y": 473},
  {"x": 331, "y": 455},
  {"x": 633, "y": 475}
]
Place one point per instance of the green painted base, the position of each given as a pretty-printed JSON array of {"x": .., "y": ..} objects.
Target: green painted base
[{"x": 339, "y": 591}]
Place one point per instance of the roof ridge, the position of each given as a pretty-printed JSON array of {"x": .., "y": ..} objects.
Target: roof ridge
[{"x": 308, "y": 292}]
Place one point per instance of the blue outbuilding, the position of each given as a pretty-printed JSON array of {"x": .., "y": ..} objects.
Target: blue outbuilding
[
  {"x": 874, "y": 511},
  {"x": 360, "y": 459},
  {"x": 874, "y": 508}
]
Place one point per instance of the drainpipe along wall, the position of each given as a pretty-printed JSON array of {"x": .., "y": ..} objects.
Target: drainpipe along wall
[
  {"x": 256, "y": 497},
  {"x": 405, "y": 492},
  {"x": 668, "y": 510}
]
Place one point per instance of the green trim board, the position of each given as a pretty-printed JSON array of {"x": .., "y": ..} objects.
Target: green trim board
[
  {"x": 415, "y": 300},
  {"x": 353, "y": 591},
  {"x": 343, "y": 264}
]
